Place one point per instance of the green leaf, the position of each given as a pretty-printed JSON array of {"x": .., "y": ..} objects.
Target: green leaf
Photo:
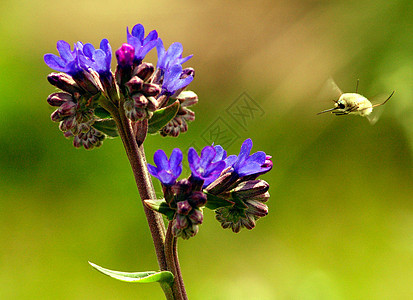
[
  {"x": 140, "y": 277},
  {"x": 102, "y": 113},
  {"x": 107, "y": 126},
  {"x": 162, "y": 116},
  {"x": 160, "y": 206},
  {"x": 214, "y": 202}
]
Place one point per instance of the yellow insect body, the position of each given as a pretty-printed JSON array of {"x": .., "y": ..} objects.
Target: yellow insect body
[{"x": 353, "y": 103}]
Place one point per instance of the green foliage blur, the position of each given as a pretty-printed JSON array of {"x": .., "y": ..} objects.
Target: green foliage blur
[{"x": 341, "y": 214}]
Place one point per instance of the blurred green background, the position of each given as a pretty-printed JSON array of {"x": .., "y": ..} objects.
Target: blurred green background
[{"x": 341, "y": 214}]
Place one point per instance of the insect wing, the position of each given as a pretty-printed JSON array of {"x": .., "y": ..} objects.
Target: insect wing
[{"x": 378, "y": 108}]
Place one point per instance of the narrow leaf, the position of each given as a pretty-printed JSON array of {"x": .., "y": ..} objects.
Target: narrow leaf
[
  {"x": 102, "y": 113},
  {"x": 214, "y": 202},
  {"x": 160, "y": 206},
  {"x": 162, "y": 116},
  {"x": 107, "y": 126},
  {"x": 140, "y": 277}
]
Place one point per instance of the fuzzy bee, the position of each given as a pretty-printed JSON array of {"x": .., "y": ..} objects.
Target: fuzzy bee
[{"x": 353, "y": 103}]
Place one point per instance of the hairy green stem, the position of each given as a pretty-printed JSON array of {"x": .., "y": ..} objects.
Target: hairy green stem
[
  {"x": 173, "y": 264},
  {"x": 164, "y": 242}
]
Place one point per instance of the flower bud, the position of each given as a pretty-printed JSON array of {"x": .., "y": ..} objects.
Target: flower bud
[
  {"x": 139, "y": 100},
  {"x": 57, "y": 99},
  {"x": 68, "y": 108},
  {"x": 196, "y": 216},
  {"x": 183, "y": 207},
  {"x": 181, "y": 221},
  {"x": 187, "y": 98},
  {"x": 125, "y": 55},
  {"x": 89, "y": 81},
  {"x": 152, "y": 104},
  {"x": 188, "y": 72},
  {"x": 64, "y": 82},
  {"x": 151, "y": 89},
  {"x": 144, "y": 71},
  {"x": 55, "y": 116},
  {"x": 249, "y": 189},
  {"x": 134, "y": 84},
  {"x": 256, "y": 208},
  {"x": 197, "y": 199}
]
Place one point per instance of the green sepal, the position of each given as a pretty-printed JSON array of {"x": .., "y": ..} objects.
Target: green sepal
[
  {"x": 238, "y": 202},
  {"x": 160, "y": 206},
  {"x": 107, "y": 126},
  {"x": 162, "y": 117},
  {"x": 140, "y": 277},
  {"x": 102, "y": 113},
  {"x": 214, "y": 202}
]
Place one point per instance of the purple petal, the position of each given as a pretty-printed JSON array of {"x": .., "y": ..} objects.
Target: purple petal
[
  {"x": 64, "y": 50},
  {"x": 183, "y": 60},
  {"x": 153, "y": 170},
  {"x": 161, "y": 160},
  {"x": 152, "y": 36},
  {"x": 138, "y": 31},
  {"x": 221, "y": 154},
  {"x": 176, "y": 158},
  {"x": 161, "y": 51},
  {"x": 258, "y": 157},
  {"x": 88, "y": 50},
  {"x": 245, "y": 150},
  {"x": 215, "y": 168},
  {"x": 230, "y": 160},
  {"x": 249, "y": 169},
  {"x": 55, "y": 62},
  {"x": 193, "y": 157},
  {"x": 207, "y": 155},
  {"x": 175, "y": 50},
  {"x": 165, "y": 177}
]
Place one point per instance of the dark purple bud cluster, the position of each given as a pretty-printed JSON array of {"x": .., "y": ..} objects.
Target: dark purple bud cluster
[
  {"x": 92, "y": 92},
  {"x": 89, "y": 140},
  {"x": 228, "y": 185},
  {"x": 180, "y": 122},
  {"x": 249, "y": 198},
  {"x": 188, "y": 204},
  {"x": 141, "y": 101},
  {"x": 75, "y": 112}
]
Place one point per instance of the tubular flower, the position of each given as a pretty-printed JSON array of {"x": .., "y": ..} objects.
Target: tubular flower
[
  {"x": 69, "y": 61},
  {"x": 167, "y": 171},
  {"x": 141, "y": 45},
  {"x": 97, "y": 59},
  {"x": 203, "y": 168},
  {"x": 171, "y": 57}
]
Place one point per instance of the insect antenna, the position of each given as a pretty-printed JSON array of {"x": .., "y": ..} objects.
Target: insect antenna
[{"x": 357, "y": 85}]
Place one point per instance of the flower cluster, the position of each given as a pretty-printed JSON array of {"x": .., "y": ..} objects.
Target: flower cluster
[
  {"x": 91, "y": 91},
  {"x": 226, "y": 184}
]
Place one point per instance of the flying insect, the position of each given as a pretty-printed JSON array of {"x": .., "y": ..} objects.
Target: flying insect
[{"x": 354, "y": 103}]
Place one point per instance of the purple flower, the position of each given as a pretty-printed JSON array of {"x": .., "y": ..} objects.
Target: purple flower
[
  {"x": 97, "y": 59},
  {"x": 246, "y": 164},
  {"x": 142, "y": 45},
  {"x": 69, "y": 61},
  {"x": 221, "y": 153},
  {"x": 171, "y": 57},
  {"x": 167, "y": 171},
  {"x": 172, "y": 80},
  {"x": 205, "y": 167}
]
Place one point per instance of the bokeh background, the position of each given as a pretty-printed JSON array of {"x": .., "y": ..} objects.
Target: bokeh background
[{"x": 341, "y": 213}]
